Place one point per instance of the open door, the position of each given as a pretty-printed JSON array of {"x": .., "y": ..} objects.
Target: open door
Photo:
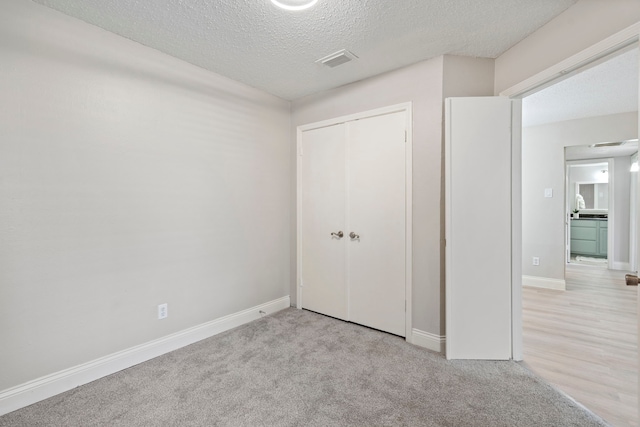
[{"x": 483, "y": 228}]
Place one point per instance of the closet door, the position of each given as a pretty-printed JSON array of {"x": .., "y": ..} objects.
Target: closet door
[
  {"x": 323, "y": 210},
  {"x": 376, "y": 214}
]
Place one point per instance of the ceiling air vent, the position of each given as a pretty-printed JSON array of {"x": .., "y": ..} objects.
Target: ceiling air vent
[
  {"x": 337, "y": 58},
  {"x": 608, "y": 144}
]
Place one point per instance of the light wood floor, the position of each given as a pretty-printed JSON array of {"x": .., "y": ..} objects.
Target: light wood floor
[{"x": 585, "y": 341}]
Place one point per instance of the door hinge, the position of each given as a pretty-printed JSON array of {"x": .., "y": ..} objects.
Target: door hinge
[
  {"x": 301, "y": 283},
  {"x": 405, "y": 136}
]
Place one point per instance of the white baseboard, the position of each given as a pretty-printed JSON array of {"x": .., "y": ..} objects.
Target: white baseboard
[
  {"x": 59, "y": 382},
  {"x": 625, "y": 266},
  {"x": 544, "y": 282},
  {"x": 428, "y": 340}
]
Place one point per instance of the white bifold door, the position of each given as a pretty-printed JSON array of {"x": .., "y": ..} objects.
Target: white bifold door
[
  {"x": 483, "y": 261},
  {"x": 353, "y": 221}
]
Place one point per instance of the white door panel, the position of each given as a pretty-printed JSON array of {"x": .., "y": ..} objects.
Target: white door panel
[
  {"x": 323, "y": 212},
  {"x": 478, "y": 228},
  {"x": 376, "y": 212},
  {"x": 353, "y": 179}
]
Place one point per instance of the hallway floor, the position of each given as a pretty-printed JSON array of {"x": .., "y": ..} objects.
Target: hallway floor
[{"x": 585, "y": 340}]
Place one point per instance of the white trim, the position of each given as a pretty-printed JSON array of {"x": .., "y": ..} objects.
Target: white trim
[
  {"x": 448, "y": 309},
  {"x": 408, "y": 292},
  {"x": 567, "y": 212},
  {"x": 624, "y": 266},
  {"x": 611, "y": 217},
  {"x": 517, "y": 346},
  {"x": 575, "y": 63},
  {"x": 429, "y": 341},
  {"x": 44, "y": 387},
  {"x": 544, "y": 282},
  {"x": 406, "y": 107},
  {"x": 299, "y": 284},
  {"x": 347, "y": 214},
  {"x": 633, "y": 217}
]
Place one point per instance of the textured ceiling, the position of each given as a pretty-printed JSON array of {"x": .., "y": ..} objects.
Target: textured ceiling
[
  {"x": 607, "y": 88},
  {"x": 254, "y": 42}
]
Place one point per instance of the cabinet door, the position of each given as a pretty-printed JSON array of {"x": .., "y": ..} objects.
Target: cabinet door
[
  {"x": 584, "y": 233},
  {"x": 323, "y": 269},
  {"x": 584, "y": 237},
  {"x": 603, "y": 240},
  {"x": 584, "y": 247}
]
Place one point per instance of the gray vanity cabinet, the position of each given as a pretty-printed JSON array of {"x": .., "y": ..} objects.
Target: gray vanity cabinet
[{"x": 589, "y": 237}]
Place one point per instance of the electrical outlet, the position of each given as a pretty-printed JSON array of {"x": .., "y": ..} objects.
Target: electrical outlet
[
  {"x": 163, "y": 311},
  {"x": 536, "y": 260}
]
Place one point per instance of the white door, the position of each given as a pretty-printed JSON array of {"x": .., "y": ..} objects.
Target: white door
[
  {"x": 479, "y": 228},
  {"x": 376, "y": 212},
  {"x": 353, "y": 182},
  {"x": 323, "y": 213}
]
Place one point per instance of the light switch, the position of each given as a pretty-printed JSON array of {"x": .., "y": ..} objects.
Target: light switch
[{"x": 548, "y": 192}]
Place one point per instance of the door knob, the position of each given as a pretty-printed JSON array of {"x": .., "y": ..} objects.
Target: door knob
[
  {"x": 339, "y": 234},
  {"x": 354, "y": 235}
]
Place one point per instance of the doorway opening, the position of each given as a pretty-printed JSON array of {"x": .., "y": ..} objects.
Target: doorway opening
[
  {"x": 579, "y": 225},
  {"x": 588, "y": 208}
]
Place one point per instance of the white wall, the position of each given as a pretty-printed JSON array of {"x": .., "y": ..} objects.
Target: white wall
[
  {"x": 423, "y": 85},
  {"x": 464, "y": 76},
  {"x": 579, "y": 27},
  {"x": 543, "y": 167},
  {"x": 622, "y": 211},
  {"x": 127, "y": 179}
]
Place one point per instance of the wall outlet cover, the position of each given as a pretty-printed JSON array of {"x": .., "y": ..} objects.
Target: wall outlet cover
[{"x": 163, "y": 311}]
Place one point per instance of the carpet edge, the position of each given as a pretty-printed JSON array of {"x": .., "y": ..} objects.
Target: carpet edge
[{"x": 50, "y": 385}]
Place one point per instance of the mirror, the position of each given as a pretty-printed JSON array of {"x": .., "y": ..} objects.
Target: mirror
[
  {"x": 592, "y": 195},
  {"x": 588, "y": 187}
]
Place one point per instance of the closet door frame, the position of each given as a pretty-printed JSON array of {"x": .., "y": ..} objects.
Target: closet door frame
[{"x": 407, "y": 109}]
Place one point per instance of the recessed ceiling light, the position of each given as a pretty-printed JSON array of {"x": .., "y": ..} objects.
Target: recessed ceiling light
[{"x": 294, "y": 4}]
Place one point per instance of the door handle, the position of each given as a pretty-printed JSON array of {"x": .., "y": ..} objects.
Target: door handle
[
  {"x": 354, "y": 235},
  {"x": 631, "y": 279},
  {"x": 339, "y": 234}
]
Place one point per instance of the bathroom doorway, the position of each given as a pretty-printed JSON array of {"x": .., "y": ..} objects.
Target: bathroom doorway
[
  {"x": 599, "y": 207},
  {"x": 587, "y": 209}
]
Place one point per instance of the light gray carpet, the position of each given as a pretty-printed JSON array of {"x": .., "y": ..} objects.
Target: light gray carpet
[{"x": 297, "y": 368}]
